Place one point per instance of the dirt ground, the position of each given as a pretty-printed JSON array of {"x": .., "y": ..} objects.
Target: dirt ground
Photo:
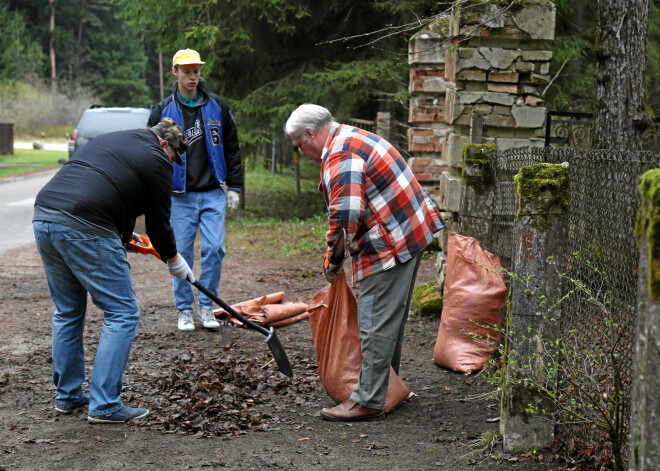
[{"x": 215, "y": 399}]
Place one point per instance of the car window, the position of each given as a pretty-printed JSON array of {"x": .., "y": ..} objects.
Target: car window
[{"x": 94, "y": 124}]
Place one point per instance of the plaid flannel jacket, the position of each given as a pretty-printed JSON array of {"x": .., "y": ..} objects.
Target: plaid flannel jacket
[{"x": 372, "y": 194}]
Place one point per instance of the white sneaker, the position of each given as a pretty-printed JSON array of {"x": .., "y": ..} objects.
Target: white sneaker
[
  {"x": 207, "y": 318},
  {"x": 186, "y": 320}
]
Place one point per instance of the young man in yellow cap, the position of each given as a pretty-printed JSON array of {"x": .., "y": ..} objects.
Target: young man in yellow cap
[{"x": 205, "y": 185}]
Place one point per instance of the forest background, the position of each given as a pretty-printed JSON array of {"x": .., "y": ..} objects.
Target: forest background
[{"x": 264, "y": 57}]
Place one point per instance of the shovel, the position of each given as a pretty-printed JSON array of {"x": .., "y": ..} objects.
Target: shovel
[{"x": 271, "y": 338}]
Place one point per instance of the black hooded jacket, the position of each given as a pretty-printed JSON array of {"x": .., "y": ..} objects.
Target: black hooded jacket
[{"x": 111, "y": 181}]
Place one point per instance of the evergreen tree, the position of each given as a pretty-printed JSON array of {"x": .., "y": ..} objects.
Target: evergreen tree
[
  {"x": 268, "y": 56},
  {"x": 20, "y": 57}
]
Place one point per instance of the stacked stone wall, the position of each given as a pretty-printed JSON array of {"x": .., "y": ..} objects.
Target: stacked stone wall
[{"x": 482, "y": 59}]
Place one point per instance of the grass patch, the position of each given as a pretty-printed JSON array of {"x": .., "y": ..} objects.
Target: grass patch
[
  {"x": 25, "y": 160},
  {"x": 55, "y": 131},
  {"x": 276, "y": 218},
  {"x": 276, "y": 238},
  {"x": 276, "y": 196}
]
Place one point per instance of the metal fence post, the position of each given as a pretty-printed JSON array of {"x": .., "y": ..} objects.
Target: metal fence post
[
  {"x": 645, "y": 406},
  {"x": 540, "y": 229}
]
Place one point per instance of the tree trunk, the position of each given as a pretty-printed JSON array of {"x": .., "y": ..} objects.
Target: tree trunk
[
  {"x": 160, "y": 74},
  {"x": 621, "y": 56},
  {"x": 83, "y": 7},
  {"x": 51, "y": 43}
]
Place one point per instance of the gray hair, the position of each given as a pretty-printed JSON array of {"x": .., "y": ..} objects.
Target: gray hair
[{"x": 307, "y": 116}]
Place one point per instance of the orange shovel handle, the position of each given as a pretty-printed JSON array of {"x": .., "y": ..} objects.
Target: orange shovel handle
[{"x": 144, "y": 246}]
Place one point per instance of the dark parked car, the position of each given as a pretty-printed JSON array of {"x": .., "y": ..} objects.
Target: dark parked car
[{"x": 97, "y": 120}]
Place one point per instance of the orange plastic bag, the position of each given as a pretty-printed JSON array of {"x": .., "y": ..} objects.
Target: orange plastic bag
[
  {"x": 333, "y": 319},
  {"x": 473, "y": 301}
]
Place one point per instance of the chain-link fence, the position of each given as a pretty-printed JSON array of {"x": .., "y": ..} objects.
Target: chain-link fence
[{"x": 602, "y": 212}]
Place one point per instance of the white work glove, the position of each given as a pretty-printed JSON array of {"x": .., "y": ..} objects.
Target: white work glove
[
  {"x": 136, "y": 237},
  {"x": 180, "y": 269},
  {"x": 232, "y": 200}
]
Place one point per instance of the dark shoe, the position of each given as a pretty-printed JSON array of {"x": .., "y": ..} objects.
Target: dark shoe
[
  {"x": 351, "y": 411},
  {"x": 68, "y": 406},
  {"x": 122, "y": 415}
]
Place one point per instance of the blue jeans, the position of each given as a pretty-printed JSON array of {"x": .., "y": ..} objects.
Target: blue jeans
[
  {"x": 205, "y": 211},
  {"x": 76, "y": 264}
]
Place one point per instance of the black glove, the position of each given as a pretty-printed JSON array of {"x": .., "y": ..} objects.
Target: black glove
[{"x": 332, "y": 266}]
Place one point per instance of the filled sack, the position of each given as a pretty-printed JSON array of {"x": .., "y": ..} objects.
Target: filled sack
[
  {"x": 473, "y": 301},
  {"x": 333, "y": 316}
]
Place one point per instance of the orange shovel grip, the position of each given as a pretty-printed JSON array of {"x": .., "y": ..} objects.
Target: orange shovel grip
[{"x": 144, "y": 247}]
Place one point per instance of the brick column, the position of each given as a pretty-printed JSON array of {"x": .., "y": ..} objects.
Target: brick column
[
  {"x": 645, "y": 404},
  {"x": 484, "y": 59},
  {"x": 499, "y": 71},
  {"x": 426, "y": 56},
  {"x": 540, "y": 228}
]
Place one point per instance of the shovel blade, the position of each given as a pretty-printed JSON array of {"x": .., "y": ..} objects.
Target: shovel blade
[
  {"x": 279, "y": 354},
  {"x": 271, "y": 339}
]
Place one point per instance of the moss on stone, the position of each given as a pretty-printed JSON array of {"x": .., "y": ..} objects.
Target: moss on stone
[
  {"x": 543, "y": 188},
  {"x": 439, "y": 26},
  {"x": 648, "y": 218},
  {"x": 481, "y": 152},
  {"x": 427, "y": 299},
  {"x": 478, "y": 169}
]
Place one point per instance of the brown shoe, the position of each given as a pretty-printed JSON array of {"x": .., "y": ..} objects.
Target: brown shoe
[{"x": 350, "y": 411}]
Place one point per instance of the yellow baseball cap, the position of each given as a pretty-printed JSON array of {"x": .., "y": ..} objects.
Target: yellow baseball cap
[{"x": 186, "y": 56}]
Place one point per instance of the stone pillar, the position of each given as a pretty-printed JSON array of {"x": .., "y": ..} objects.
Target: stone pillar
[
  {"x": 476, "y": 211},
  {"x": 540, "y": 227},
  {"x": 645, "y": 404},
  {"x": 484, "y": 59},
  {"x": 427, "y": 85},
  {"x": 499, "y": 72}
]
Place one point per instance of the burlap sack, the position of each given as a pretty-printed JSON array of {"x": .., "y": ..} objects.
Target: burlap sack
[
  {"x": 333, "y": 320},
  {"x": 473, "y": 300},
  {"x": 275, "y": 313}
]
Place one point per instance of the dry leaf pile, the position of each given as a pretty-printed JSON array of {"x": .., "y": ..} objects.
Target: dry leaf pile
[{"x": 225, "y": 394}]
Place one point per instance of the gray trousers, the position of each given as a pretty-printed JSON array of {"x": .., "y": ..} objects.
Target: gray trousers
[{"x": 383, "y": 304}]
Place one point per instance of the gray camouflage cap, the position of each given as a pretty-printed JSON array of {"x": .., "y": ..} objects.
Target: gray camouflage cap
[{"x": 170, "y": 131}]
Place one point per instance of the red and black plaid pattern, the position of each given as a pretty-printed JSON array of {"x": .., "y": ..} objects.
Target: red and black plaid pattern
[{"x": 371, "y": 193}]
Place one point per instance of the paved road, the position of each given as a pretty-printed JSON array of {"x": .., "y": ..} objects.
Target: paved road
[
  {"x": 16, "y": 207},
  {"x": 47, "y": 146}
]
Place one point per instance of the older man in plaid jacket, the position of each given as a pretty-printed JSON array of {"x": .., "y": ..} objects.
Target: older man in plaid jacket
[{"x": 379, "y": 213}]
